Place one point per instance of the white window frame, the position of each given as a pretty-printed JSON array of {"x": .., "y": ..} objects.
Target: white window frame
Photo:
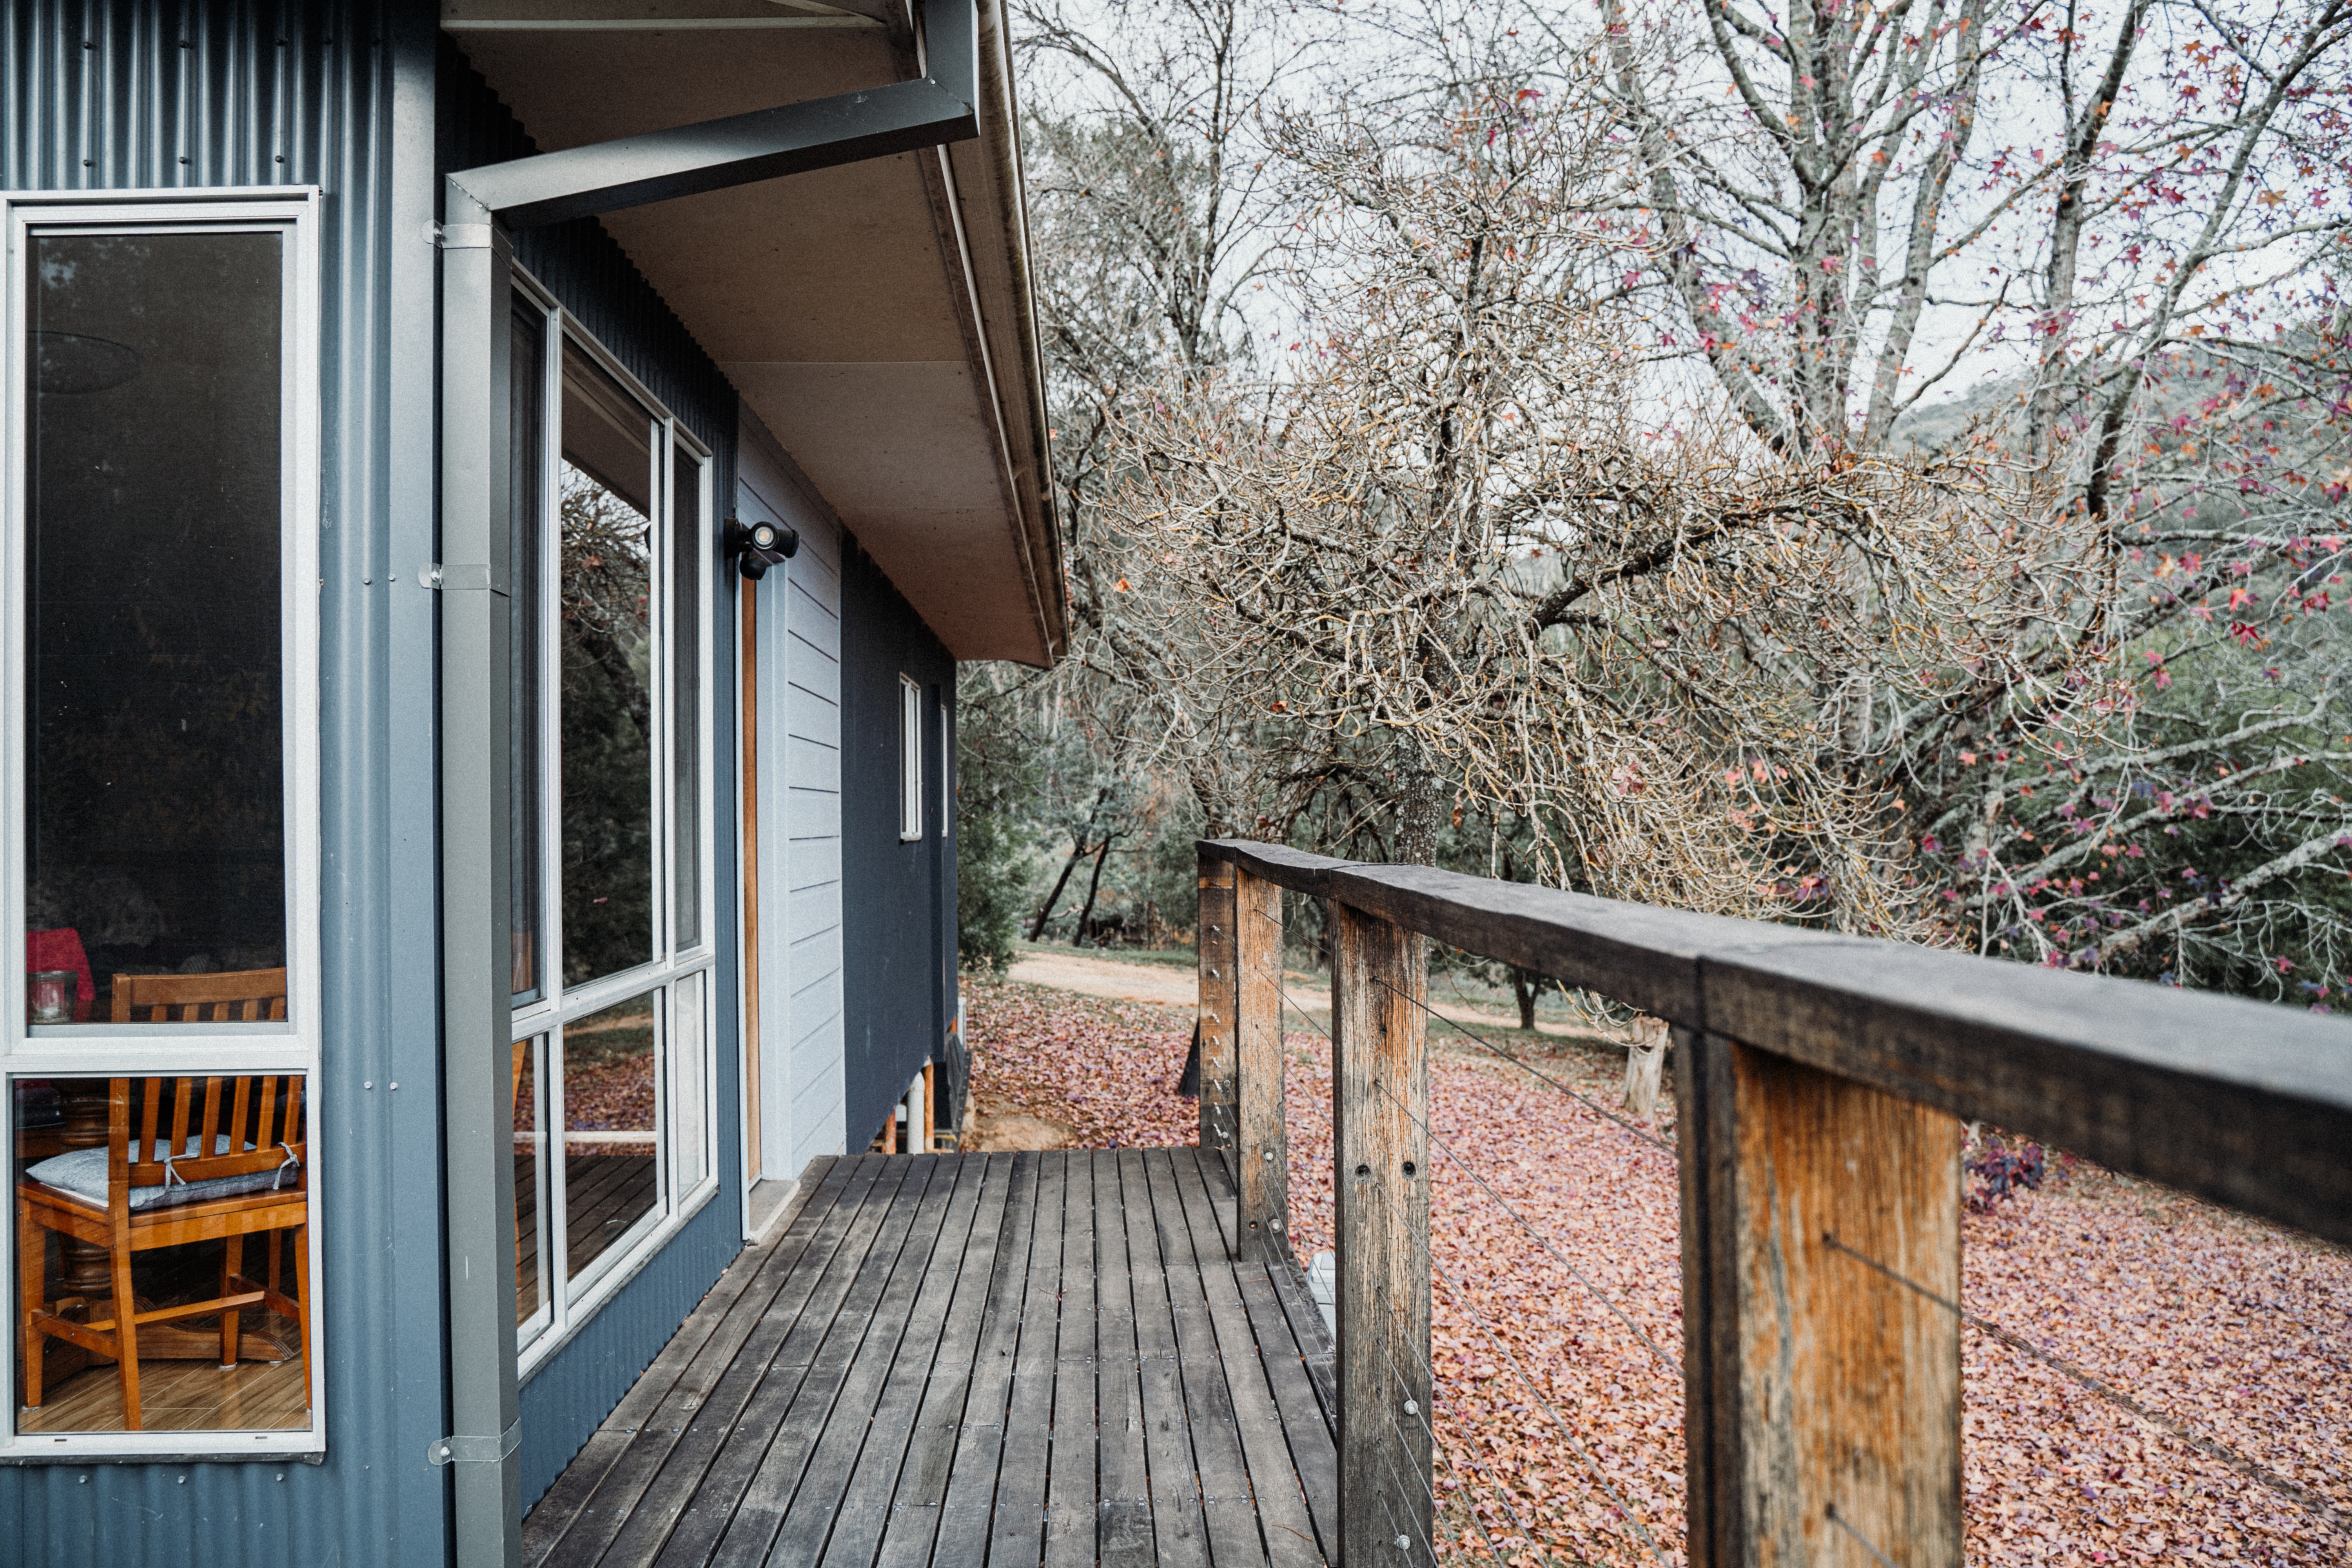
[
  {"x": 910, "y": 760},
  {"x": 137, "y": 1050},
  {"x": 569, "y": 1305}
]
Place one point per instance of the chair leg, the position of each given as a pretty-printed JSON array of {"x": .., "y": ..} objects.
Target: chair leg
[
  {"x": 32, "y": 1265},
  {"x": 126, "y": 1333},
  {"x": 232, "y": 1338},
  {"x": 302, "y": 1299}
]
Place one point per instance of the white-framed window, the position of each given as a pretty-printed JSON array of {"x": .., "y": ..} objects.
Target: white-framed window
[
  {"x": 910, "y": 760},
  {"x": 610, "y": 729},
  {"x": 159, "y": 821}
]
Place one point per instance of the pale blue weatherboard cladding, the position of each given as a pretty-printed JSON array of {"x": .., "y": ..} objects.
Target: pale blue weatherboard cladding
[
  {"x": 567, "y": 1397},
  {"x": 129, "y": 96}
]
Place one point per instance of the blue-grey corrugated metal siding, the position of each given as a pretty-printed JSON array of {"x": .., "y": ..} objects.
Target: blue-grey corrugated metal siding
[
  {"x": 109, "y": 94},
  {"x": 897, "y": 899},
  {"x": 579, "y": 264}
]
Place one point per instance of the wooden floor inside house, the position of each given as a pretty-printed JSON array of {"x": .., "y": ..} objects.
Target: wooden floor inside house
[
  {"x": 1015, "y": 1359},
  {"x": 178, "y": 1396}
]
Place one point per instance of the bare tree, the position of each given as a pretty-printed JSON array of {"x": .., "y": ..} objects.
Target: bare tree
[{"x": 1452, "y": 563}]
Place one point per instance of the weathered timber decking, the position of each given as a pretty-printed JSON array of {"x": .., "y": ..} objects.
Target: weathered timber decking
[{"x": 1004, "y": 1360}]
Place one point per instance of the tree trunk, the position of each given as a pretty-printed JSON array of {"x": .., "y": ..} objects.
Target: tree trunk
[
  {"x": 1069, "y": 865},
  {"x": 1420, "y": 811},
  {"x": 1643, "y": 1063},
  {"x": 1527, "y": 988},
  {"x": 1079, "y": 939}
]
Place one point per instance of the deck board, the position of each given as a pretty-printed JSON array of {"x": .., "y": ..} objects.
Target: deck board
[
  {"x": 1176, "y": 1530},
  {"x": 913, "y": 1522},
  {"x": 980, "y": 1438},
  {"x": 737, "y": 1448},
  {"x": 835, "y": 1398},
  {"x": 1070, "y": 1488},
  {"x": 1016, "y": 1526},
  {"x": 1290, "y": 1539},
  {"x": 600, "y": 1490},
  {"x": 1033, "y": 1361},
  {"x": 1123, "y": 1510}
]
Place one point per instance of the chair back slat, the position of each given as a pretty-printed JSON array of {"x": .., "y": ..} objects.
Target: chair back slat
[
  {"x": 255, "y": 1142},
  {"x": 243, "y": 995},
  {"x": 118, "y": 1144},
  {"x": 151, "y": 1107},
  {"x": 184, "y": 1089},
  {"x": 208, "y": 1136}
]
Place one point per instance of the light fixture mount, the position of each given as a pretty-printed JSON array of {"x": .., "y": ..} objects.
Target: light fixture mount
[{"x": 757, "y": 546}]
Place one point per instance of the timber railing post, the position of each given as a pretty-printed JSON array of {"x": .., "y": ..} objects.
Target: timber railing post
[
  {"x": 1219, "y": 1003},
  {"x": 1380, "y": 1117},
  {"x": 1823, "y": 1394},
  {"x": 1262, "y": 1147}
]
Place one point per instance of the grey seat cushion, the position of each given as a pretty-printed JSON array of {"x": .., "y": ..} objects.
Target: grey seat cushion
[{"x": 82, "y": 1172}]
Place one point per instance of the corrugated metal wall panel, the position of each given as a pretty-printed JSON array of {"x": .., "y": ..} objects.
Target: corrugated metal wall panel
[
  {"x": 567, "y": 1397},
  {"x": 115, "y": 94},
  {"x": 895, "y": 987}
]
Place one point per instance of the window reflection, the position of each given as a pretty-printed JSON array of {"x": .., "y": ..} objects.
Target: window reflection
[
  {"x": 686, "y": 702},
  {"x": 606, "y": 499},
  {"x": 529, "y": 1112},
  {"x": 154, "y": 806},
  {"x": 524, "y": 505},
  {"x": 219, "y": 1341},
  {"x": 612, "y": 1177}
]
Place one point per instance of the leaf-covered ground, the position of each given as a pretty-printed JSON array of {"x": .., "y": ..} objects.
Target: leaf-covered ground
[{"x": 1559, "y": 1411}]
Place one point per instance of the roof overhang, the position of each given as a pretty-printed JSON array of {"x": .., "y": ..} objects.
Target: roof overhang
[{"x": 875, "y": 316}]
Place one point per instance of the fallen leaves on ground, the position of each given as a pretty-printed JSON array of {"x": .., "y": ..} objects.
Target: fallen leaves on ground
[{"x": 1553, "y": 1344}]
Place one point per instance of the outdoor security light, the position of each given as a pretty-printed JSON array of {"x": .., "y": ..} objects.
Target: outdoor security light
[{"x": 761, "y": 546}]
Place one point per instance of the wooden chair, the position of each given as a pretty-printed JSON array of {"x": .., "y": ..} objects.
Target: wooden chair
[
  {"x": 261, "y": 1118},
  {"x": 240, "y": 996}
]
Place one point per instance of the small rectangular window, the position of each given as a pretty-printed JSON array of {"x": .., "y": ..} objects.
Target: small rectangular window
[
  {"x": 214, "y": 1238},
  {"x": 531, "y": 1184},
  {"x": 910, "y": 760},
  {"x": 612, "y": 1132}
]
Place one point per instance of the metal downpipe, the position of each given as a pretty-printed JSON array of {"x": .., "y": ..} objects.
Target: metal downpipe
[{"x": 477, "y": 1155}]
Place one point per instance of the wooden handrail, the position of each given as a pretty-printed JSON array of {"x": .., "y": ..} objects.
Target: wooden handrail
[
  {"x": 1820, "y": 1082},
  {"x": 2245, "y": 1103}
]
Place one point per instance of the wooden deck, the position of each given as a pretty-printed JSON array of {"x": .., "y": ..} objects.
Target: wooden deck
[{"x": 1001, "y": 1359}]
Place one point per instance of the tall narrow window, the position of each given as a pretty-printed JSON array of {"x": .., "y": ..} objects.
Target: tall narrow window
[
  {"x": 611, "y": 1113},
  {"x": 606, "y": 521},
  {"x": 686, "y": 702},
  {"x": 910, "y": 760},
  {"x": 155, "y": 759},
  {"x": 526, "y": 504},
  {"x": 160, "y": 637}
]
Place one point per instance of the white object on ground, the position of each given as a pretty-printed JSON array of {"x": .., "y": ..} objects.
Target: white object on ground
[{"x": 1323, "y": 1284}]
